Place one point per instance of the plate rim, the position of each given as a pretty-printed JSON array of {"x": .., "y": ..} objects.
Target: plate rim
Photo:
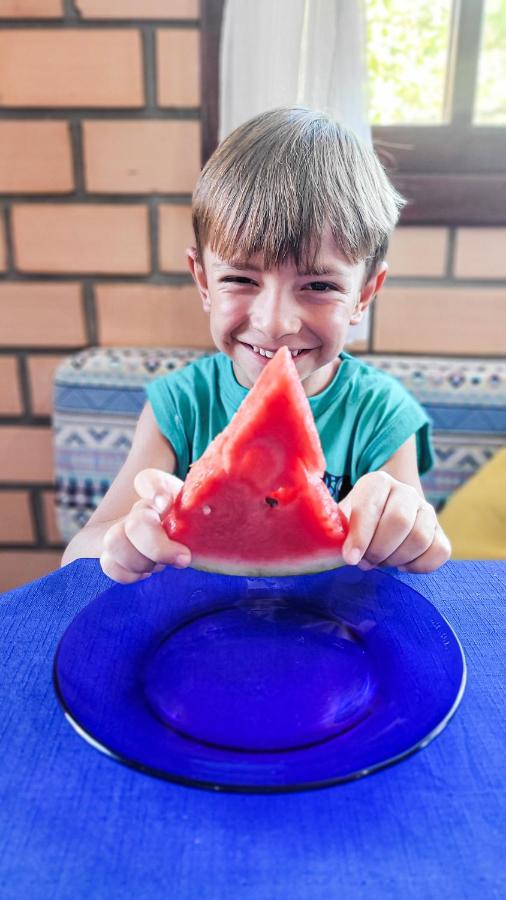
[{"x": 293, "y": 787}]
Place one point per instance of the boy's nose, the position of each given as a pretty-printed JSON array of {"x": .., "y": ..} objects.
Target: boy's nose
[{"x": 275, "y": 315}]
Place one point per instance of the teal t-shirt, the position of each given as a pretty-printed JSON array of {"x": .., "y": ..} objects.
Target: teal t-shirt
[{"x": 363, "y": 416}]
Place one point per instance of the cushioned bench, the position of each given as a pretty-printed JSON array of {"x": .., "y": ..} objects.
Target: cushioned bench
[{"x": 99, "y": 392}]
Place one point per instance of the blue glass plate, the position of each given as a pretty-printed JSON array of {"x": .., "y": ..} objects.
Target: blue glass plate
[{"x": 264, "y": 684}]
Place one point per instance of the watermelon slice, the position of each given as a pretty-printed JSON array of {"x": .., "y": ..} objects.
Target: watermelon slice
[{"x": 255, "y": 503}]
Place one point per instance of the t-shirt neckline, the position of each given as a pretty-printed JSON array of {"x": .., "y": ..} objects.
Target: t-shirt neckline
[{"x": 235, "y": 392}]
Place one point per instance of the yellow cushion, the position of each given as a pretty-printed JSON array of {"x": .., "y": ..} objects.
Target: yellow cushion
[{"x": 474, "y": 518}]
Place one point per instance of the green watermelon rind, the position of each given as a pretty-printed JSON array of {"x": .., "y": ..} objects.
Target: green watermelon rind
[{"x": 279, "y": 568}]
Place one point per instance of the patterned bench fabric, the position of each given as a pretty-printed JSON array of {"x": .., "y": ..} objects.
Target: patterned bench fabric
[
  {"x": 465, "y": 400},
  {"x": 99, "y": 393}
]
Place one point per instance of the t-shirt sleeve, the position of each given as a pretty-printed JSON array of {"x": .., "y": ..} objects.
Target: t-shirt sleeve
[
  {"x": 166, "y": 403},
  {"x": 392, "y": 418}
]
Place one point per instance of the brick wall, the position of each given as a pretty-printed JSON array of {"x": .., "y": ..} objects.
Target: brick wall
[{"x": 99, "y": 151}]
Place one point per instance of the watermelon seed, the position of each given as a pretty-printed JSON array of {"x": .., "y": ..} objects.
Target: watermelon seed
[
  {"x": 206, "y": 510},
  {"x": 271, "y": 501}
]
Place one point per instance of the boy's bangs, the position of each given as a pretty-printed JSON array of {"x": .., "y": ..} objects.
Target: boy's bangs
[
  {"x": 255, "y": 223},
  {"x": 275, "y": 233},
  {"x": 276, "y": 184}
]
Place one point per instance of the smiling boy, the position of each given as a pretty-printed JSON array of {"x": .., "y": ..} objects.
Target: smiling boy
[{"x": 292, "y": 217}]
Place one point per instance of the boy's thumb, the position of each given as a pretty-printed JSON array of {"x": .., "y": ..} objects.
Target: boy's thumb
[
  {"x": 346, "y": 506},
  {"x": 157, "y": 486}
]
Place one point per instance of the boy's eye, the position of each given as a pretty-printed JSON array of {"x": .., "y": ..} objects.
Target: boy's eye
[
  {"x": 321, "y": 286},
  {"x": 237, "y": 279}
]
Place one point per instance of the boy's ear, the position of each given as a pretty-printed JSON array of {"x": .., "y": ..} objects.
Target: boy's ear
[
  {"x": 199, "y": 276},
  {"x": 368, "y": 292}
]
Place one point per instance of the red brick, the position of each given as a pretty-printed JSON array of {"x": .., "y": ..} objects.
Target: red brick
[
  {"x": 71, "y": 67},
  {"x": 41, "y": 371},
  {"x": 415, "y": 252},
  {"x": 138, "y": 9},
  {"x": 11, "y": 403},
  {"x": 178, "y": 67},
  {"x": 141, "y": 156},
  {"x": 176, "y": 234},
  {"x": 479, "y": 253},
  {"x": 35, "y": 157},
  {"x": 16, "y": 524},
  {"x": 41, "y": 315},
  {"x": 150, "y": 315},
  {"x": 51, "y": 531},
  {"x": 3, "y": 247},
  {"x": 31, "y": 9},
  {"x": 81, "y": 238},
  {"x": 439, "y": 320},
  {"x": 26, "y": 453}
]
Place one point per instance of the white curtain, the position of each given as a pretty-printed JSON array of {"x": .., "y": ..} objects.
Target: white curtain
[{"x": 294, "y": 53}]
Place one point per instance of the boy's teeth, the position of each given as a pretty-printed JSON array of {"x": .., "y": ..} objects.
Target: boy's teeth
[{"x": 269, "y": 353}]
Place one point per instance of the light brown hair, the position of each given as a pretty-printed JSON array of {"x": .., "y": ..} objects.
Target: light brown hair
[{"x": 275, "y": 182}]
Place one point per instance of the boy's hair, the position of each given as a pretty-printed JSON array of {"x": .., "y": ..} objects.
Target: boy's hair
[{"x": 275, "y": 182}]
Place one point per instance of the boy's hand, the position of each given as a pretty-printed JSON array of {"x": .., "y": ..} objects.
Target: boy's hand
[
  {"x": 137, "y": 545},
  {"x": 392, "y": 525}
]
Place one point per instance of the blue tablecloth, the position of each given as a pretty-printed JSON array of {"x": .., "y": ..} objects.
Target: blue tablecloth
[{"x": 75, "y": 824}]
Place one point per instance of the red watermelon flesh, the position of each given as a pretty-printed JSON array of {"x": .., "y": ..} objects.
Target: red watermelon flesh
[{"x": 255, "y": 503}]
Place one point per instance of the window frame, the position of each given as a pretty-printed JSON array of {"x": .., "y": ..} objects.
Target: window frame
[{"x": 453, "y": 173}]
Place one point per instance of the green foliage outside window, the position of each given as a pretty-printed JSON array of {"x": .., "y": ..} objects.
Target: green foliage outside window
[
  {"x": 491, "y": 96},
  {"x": 407, "y": 60}
]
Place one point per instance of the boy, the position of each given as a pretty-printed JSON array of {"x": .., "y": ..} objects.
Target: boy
[{"x": 292, "y": 217}]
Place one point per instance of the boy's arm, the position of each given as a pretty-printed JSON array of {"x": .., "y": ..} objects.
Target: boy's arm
[
  {"x": 403, "y": 465},
  {"x": 150, "y": 450},
  {"x": 391, "y": 523}
]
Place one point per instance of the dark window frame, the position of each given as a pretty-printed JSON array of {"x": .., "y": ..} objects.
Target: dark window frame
[{"x": 451, "y": 174}]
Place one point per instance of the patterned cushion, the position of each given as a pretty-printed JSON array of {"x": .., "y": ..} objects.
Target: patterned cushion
[
  {"x": 465, "y": 400},
  {"x": 98, "y": 394}
]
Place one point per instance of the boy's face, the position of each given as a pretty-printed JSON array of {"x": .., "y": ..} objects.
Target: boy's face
[{"x": 252, "y": 309}]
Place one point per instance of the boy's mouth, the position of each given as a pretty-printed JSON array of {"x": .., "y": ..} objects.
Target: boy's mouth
[{"x": 265, "y": 353}]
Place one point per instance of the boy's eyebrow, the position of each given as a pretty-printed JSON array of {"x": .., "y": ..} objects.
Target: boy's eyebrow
[
  {"x": 237, "y": 264},
  {"x": 322, "y": 270}
]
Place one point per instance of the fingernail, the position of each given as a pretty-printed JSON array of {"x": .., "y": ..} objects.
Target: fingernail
[
  {"x": 160, "y": 502},
  {"x": 354, "y": 556},
  {"x": 182, "y": 560}
]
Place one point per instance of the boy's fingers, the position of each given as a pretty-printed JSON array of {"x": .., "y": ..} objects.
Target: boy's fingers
[
  {"x": 120, "y": 548},
  {"x": 405, "y": 515},
  {"x": 438, "y": 553},
  {"x": 363, "y": 507},
  {"x": 420, "y": 538},
  {"x": 143, "y": 530},
  {"x": 160, "y": 488},
  {"x": 115, "y": 571}
]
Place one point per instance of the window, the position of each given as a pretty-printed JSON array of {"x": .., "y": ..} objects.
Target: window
[
  {"x": 437, "y": 103},
  {"x": 407, "y": 60},
  {"x": 490, "y": 106}
]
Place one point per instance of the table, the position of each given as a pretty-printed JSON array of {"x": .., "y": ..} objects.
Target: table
[{"x": 75, "y": 824}]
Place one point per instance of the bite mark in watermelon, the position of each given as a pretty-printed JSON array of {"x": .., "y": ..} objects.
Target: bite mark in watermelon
[{"x": 254, "y": 503}]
